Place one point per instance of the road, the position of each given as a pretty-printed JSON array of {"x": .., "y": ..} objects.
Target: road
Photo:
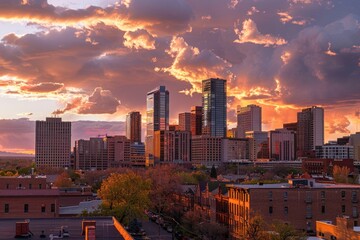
[{"x": 154, "y": 231}]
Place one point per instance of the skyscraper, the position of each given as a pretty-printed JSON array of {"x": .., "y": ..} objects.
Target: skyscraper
[
  {"x": 214, "y": 107},
  {"x": 310, "y": 130},
  {"x": 157, "y": 118},
  {"x": 185, "y": 121},
  {"x": 248, "y": 119},
  {"x": 196, "y": 120},
  {"x": 91, "y": 154},
  {"x": 133, "y": 127},
  {"x": 53, "y": 143}
]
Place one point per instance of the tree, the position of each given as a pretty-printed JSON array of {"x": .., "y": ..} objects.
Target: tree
[
  {"x": 255, "y": 228},
  {"x": 284, "y": 231},
  {"x": 213, "y": 173},
  {"x": 63, "y": 180},
  {"x": 341, "y": 174},
  {"x": 165, "y": 185},
  {"x": 125, "y": 195}
]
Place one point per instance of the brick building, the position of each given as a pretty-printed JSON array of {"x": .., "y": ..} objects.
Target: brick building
[
  {"x": 300, "y": 202},
  {"x": 344, "y": 229},
  {"x": 325, "y": 166}
]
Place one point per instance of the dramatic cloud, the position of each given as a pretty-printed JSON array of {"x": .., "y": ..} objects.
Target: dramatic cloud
[
  {"x": 338, "y": 125},
  {"x": 139, "y": 39},
  {"x": 42, "y": 87},
  {"x": 192, "y": 65},
  {"x": 100, "y": 102}
]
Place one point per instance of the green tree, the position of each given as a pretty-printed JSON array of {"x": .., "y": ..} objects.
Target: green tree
[
  {"x": 125, "y": 195},
  {"x": 213, "y": 173}
]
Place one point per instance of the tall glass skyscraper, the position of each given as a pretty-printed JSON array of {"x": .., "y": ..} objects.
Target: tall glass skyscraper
[
  {"x": 157, "y": 118},
  {"x": 214, "y": 107}
]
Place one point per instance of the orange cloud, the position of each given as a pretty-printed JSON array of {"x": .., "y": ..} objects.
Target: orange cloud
[
  {"x": 139, "y": 39},
  {"x": 250, "y": 34}
]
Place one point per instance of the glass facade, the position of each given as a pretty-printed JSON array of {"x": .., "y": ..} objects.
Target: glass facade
[{"x": 214, "y": 107}]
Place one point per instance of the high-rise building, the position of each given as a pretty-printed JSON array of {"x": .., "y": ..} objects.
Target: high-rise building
[
  {"x": 258, "y": 145},
  {"x": 53, "y": 143},
  {"x": 282, "y": 145},
  {"x": 118, "y": 151},
  {"x": 310, "y": 131},
  {"x": 91, "y": 154},
  {"x": 157, "y": 118},
  {"x": 206, "y": 150},
  {"x": 133, "y": 127},
  {"x": 248, "y": 119},
  {"x": 172, "y": 146},
  {"x": 185, "y": 121},
  {"x": 196, "y": 120},
  {"x": 214, "y": 107}
]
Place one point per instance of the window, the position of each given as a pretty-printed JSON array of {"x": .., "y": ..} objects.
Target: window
[
  {"x": 52, "y": 207},
  {"x": 343, "y": 194},
  {"x": 285, "y": 196},
  {"x": 26, "y": 208},
  {"x": 355, "y": 212},
  {"x": 270, "y": 195},
  {"x": 286, "y": 210},
  {"x": 6, "y": 208},
  {"x": 42, "y": 208},
  {"x": 322, "y": 194},
  {"x": 343, "y": 208},
  {"x": 270, "y": 210},
  {"x": 7, "y": 186},
  {"x": 322, "y": 209},
  {"x": 30, "y": 186},
  {"x": 40, "y": 186}
]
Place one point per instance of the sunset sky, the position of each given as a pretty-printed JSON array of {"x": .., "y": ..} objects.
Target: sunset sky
[{"x": 92, "y": 61}]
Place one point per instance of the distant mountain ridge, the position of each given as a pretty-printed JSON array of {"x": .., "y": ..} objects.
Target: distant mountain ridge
[{"x": 11, "y": 154}]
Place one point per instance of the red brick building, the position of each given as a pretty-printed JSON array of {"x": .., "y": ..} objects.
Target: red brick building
[
  {"x": 325, "y": 166},
  {"x": 301, "y": 202}
]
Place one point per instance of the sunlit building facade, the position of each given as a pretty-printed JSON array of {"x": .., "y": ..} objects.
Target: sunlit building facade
[
  {"x": 133, "y": 127},
  {"x": 248, "y": 119}
]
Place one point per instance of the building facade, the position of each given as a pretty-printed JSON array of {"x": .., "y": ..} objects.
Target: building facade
[
  {"x": 137, "y": 154},
  {"x": 185, "y": 121},
  {"x": 91, "y": 154},
  {"x": 172, "y": 146},
  {"x": 133, "y": 127},
  {"x": 235, "y": 149},
  {"x": 214, "y": 107},
  {"x": 206, "y": 150},
  {"x": 310, "y": 131},
  {"x": 157, "y": 118},
  {"x": 258, "y": 145},
  {"x": 53, "y": 143},
  {"x": 248, "y": 119},
  {"x": 300, "y": 203},
  {"x": 335, "y": 151},
  {"x": 196, "y": 120},
  {"x": 118, "y": 151},
  {"x": 282, "y": 145},
  {"x": 355, "y": 142}
]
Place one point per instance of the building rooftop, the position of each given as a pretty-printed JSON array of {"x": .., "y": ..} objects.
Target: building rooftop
[
  {"x": 105, "y": 229},
  {"x": 29, "y": 192},
  {"x": 89, "y": 206},
  {"x": 287, "y": 185}
]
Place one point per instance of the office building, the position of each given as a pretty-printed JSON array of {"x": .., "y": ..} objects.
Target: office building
[
  {"x": 325, "y": 166},
  {"x": 300, "y": 202},
  {"x": 214, "y": 107},
  {"x": 172, "y": 146},
  {"x": 282, "y": 145},
  {"x": 118, "y": 151},
  {"x": 235, "y": 150},
  {"x": 196, "y": 120},
  {"x": 157, "y": 118},
  {"x": 53, "y": 143},
  {"x": 258, "y": 145},
  {"x": 334, "y": 151},
  {"x": 133, "y": 127},
  {"x": 91, "y": 154},
  {"x": 310, "y": 131},
  {"x": 185, "y": 121},
  {"x": 355, "y": 142},
  {"x": 137, "y": 154},
  {"x": 248, "y": 119},
  {"x": 206, "y": 150}
]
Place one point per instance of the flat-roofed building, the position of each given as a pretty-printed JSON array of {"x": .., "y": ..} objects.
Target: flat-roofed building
[{"x": 300, "y": 202}]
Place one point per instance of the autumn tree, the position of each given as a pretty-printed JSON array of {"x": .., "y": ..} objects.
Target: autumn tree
[
  {"x": 255, "y": 228},
  {"x": 165, "y": 185},
  {"x": 125, "y": 195},
  {"x": 341, "y": 174},
  {"x": 63, "y": 180},
  {"x": 284, "y": 231}
]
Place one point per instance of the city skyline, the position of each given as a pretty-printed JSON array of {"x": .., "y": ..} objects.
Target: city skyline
[{"x": 74, "y": 60}]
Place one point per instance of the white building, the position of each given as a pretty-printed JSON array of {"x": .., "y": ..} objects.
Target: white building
[
  {"x": 248, "y": 119},
  {"x": 355, "y": 142},
  {"x": 334, "y": 151}
]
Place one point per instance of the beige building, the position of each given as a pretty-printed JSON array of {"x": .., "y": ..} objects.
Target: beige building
[
  {"x": 53, "y": 143},
  {"x": 344, "y": 229},
  {"x": 206, "y": 150},
  {"x": 355, "y": 142}
]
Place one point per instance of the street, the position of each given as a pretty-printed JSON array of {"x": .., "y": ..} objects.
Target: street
[{"x": 155, "y": 231}]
